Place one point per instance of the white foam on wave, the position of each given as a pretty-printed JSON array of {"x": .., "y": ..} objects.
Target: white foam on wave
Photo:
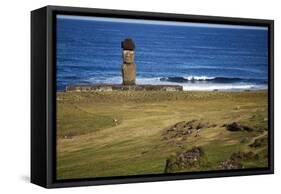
[
  {"x": 221, "y": 87},
  {"x": 154, "y": 80},
  {"x": 186, "y": 86},
  {"x": 106, "y": 80},
  {"x": 190, "y": 78}
]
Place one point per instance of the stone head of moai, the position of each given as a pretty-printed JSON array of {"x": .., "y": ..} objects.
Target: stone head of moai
[
  {"x": 128, "y": 47},
  {"x": 128, "y": 66}
]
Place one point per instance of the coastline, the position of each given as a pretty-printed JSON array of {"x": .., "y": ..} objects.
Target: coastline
[{"x": 94, "y": 87}]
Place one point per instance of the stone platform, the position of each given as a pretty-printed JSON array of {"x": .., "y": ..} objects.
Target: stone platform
[{"x": 119, "y": 87}]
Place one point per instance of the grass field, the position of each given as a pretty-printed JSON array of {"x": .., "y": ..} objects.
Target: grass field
[{"x": 120, "y": 133}]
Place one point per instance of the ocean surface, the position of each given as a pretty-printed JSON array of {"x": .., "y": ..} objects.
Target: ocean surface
[{"x": 196, "y": 57}]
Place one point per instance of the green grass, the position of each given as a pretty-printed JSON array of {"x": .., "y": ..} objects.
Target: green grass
[
  {"x": 103, "y": 134},
  {"x": 74, "y": 121}
]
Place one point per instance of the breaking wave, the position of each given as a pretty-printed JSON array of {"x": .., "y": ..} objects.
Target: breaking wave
[{"x": 191, "y": 79}]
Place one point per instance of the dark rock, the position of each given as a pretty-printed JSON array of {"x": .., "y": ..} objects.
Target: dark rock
[
  {"x": 234, "y": 127},
  {"x": 234, "y": 162},
  {"x": 186, "y": 159},
  {"x": 191, "y": 155},
  {"x": 189, "y": 124},
  {"x": 237, "y": 127},
  {"x": 230, "y": 164},
  {"x": 180, "y": 124},
  {"x": 128, "y": 44},
  {"x": 200, "y": 126}
]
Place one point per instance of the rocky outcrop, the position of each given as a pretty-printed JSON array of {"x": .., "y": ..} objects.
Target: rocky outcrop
[
  {"x": 237, "y": 127},
  {"x": 185, "y": 160},
  {"x": 230, "y": 164},
  {"x": 235, "y": 160},
  {"x": 185, "y": 128}
]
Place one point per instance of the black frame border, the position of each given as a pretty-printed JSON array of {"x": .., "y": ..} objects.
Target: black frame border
[{"x": 52, "y": 11}]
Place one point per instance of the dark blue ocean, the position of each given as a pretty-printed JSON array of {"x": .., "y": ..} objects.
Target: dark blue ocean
[{"x": 199, "y": 58}]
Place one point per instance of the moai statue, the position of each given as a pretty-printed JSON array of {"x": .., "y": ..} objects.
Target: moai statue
[{"x": 128, "y": 67}]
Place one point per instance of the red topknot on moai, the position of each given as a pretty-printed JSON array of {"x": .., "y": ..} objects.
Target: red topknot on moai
[{"x": 128, "y": 67}]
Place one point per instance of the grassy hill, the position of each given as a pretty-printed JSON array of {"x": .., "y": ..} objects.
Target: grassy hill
[{"x": 136, "y": 132}]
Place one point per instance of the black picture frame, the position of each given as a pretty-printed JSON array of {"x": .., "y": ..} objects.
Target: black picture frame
[{"x": 43, "y": 95}]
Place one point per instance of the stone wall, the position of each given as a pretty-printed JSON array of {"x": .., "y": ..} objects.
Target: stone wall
[{"x": 108, "y": 88}]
